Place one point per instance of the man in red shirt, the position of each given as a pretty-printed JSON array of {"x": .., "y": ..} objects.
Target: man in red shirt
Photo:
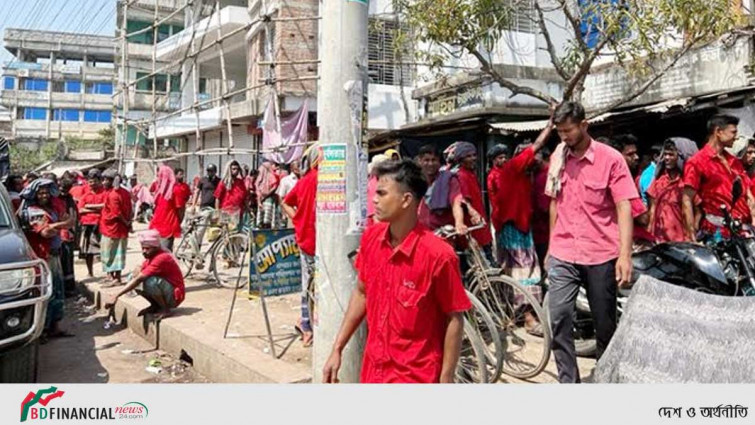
[
  {"x": 710, "y": 174},
  {"x": 160, "y": 276},
  {"x": 165, "y": 219},
  {"x": 443, "y": 204},
  {"x": 182, "y": 192},
  {"x": 665, "y": 194},
  {"x": 591, "y": 191},
  {"x": 299, "y": 205},
  {"x": 510, "y": 191},
  {"x": 115, "y": 223},
  {"x": 90, "y": 206},
  {"x": 409, "y": 291},
  {"x": 462, "y": 157},
  {"x": 231, "y": 193}
]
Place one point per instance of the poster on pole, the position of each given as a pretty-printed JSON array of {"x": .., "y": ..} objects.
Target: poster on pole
[
  {"x": 331, "y": 186},
  {"x": 277, "y": 262}
]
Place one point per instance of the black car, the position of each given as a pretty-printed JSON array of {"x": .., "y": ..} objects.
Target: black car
[{"x": 25, "y": 288}]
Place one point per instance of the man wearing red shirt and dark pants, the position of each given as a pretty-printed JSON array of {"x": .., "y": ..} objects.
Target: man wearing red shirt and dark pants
[
  {"x": 299, "y": 205},
  {"x": 710, "y": 174},
  {"x": 182, "y": 192},
  {"x": 409, "y": 291},
  {"x": 161, "y": 278},
  {"x": 90, "y": 206},
  {"x": 510, "y": 189},
  {"x": 591, "y": 234},
  {"x": 115, "y": 223}
]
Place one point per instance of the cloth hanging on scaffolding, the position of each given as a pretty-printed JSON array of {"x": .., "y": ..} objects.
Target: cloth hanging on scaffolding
[{"x": 292, "y": 134}]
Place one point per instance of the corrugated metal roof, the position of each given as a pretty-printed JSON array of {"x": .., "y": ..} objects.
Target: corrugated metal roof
[{"x": 537, "y": 125}]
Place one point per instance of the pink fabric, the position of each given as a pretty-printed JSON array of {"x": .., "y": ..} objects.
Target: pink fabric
[
  {"x": 150, "y": 238},
  {"x": 267, "y": 181},
  {"x": 587, "y": 230},
  {"x": 292, "y": 134},
  {"x": 165, "y": 182}
]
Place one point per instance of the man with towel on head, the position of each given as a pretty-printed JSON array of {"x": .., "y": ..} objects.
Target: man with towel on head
[{"x": 161, "y": 278}]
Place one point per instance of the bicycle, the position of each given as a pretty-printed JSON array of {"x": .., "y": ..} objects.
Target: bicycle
[
  {"x": 226, "y": 251},
  {"x": 525, "y": 355}
]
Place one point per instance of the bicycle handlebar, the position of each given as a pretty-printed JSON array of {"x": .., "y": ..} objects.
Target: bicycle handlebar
[{"x": 449, "y": 231}]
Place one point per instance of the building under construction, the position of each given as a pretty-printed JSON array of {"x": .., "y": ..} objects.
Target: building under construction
[{"x": 201, "y": 80}]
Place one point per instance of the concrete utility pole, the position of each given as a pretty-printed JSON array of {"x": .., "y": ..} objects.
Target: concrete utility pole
[{"x": 343, "y": 62}]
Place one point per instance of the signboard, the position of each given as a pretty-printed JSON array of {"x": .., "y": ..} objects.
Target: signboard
[
  {"x": 707, "y": 70},
  {"x": 331, "y": 186},
  {"x": 277, "y": 262},
  {"x": 460, "y": 100}
]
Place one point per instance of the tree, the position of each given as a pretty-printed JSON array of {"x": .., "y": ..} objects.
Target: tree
[{"x": 638, "y": 34}]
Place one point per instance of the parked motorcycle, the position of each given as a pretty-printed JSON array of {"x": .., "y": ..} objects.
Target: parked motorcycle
[{"x": 721, "y": 267}]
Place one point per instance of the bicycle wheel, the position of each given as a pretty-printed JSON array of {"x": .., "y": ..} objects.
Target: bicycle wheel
[
  {"x": 227, "y": 260},
  {"x": 479, "y": 317},
  {"x": 508, "y": 302},
  {"x": 185, "y": 254},
  {"x": 472, "y": 364}
]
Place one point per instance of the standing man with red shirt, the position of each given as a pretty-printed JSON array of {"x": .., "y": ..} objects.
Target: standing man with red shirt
[
  {"x": 182, "y": 192},
  {"x": 665, "y": 193},
  {"x": 591, "y": 234},
  {"x": 409, "y": 291},
  {"x": 443, "y": 204},
  {"x": 90, "y": 206},
  {"x": 165, "y": 219},
  {"x": 161, "y": 278},
  {"x": 710, "y": 174},
  {"x": 231, "y": 193},
  {"x": 115, "y": 223},
  {"x": 511, "y": 194},
  {"x": 300, "y": 205},
  {"x": 462, "y": 157}
]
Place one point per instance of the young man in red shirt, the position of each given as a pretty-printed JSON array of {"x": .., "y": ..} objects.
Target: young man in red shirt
[
  {"x": 409, "y": 291},
  {"x": 160, "y": 276},
  {"x": 665, "y": 193},
  {"x": 182, "y": 192},
  {"x": 90, "y": 207},
  {"x": 591, "y": 191},
  {"x": 115, "y": 223},
  {"x": 299, "y": 205},
  {"x": 443, "y": 204},
  {"x": 710, "y": 174},
  {"x": 462, "y": 157},
  {"x": 231, "y": 193}
]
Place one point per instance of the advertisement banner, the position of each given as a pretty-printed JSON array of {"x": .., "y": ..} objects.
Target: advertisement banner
[{"x": 277, "y": 262}]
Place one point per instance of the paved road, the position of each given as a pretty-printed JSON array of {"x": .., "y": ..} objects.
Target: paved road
[{"x": 100, "y": 355}]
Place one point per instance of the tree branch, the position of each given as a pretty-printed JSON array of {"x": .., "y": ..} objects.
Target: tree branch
[
  {"x": 584, "y": 68},
  {"x": 643, "y": 88},
  {"x": 549, "y": 42},
  {"x": 504, "y": 82},
  {"x": 575, "y": 26}
]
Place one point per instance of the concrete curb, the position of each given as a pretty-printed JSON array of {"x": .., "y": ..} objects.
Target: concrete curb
[{"x": 219, "y": 360}]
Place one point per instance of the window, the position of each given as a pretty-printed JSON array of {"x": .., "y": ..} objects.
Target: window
[
  {"x": 33, "y": 84},
  {"x": 100, "y": 88},
  {"x": 202, "y": 85},
  {"x": 72, "y": 86},
  {"x": 66, "y": 115},
  {"x": 144, "y": 38},
  {"x": 161, "y": 82},
  {"x": 97, "y": 116},
  {"x": 523, "y": 19},
  {"x": 33, "y": 113},
  {"x": 382, "y": 54},
  {"x": 9, "y": 83},
  {"x": 163, "y": 32}
]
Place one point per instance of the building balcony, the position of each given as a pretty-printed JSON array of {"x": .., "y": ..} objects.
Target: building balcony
[
  {"x": 228, "y": 19},
  {"x": 59, "y": 71},
  {"x": 182, "y": 125},
  {"x": 69, "y": 45},
  {"x": 40, "y": 99}
]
